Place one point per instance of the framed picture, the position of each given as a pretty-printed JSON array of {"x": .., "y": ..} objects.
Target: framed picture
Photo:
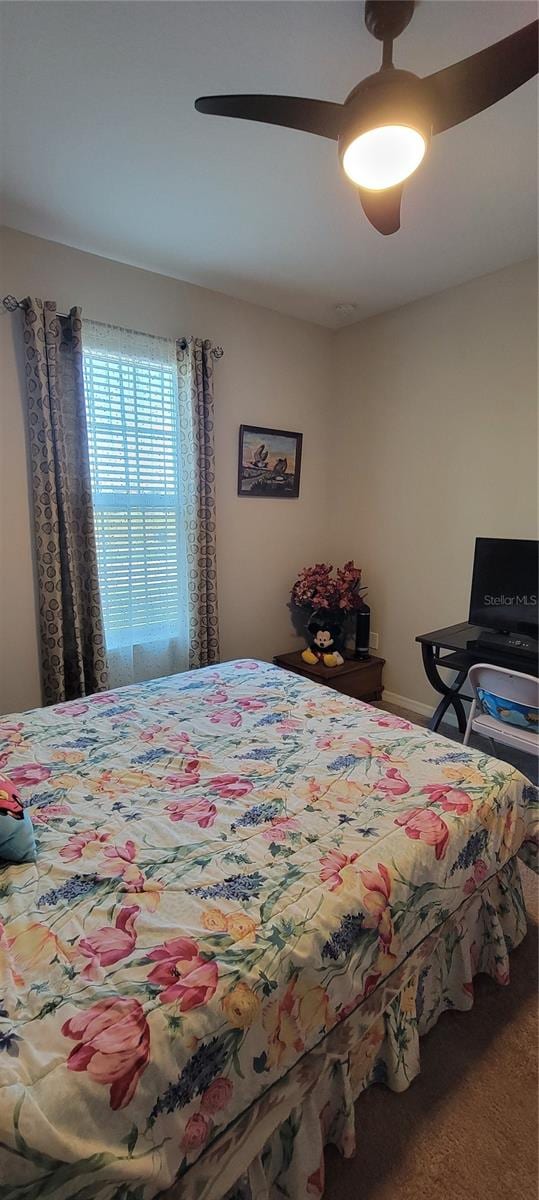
[{"x": 269, "y": 462}]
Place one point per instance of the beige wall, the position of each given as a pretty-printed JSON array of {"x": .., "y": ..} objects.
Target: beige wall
[
  {"x": 276, "y": 371},
  {"x": 436, "y": 437},
  {"x": 420, "y": 432}
]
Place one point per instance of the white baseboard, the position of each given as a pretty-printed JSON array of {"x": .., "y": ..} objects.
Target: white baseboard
[{"x": 426, "y": 710}]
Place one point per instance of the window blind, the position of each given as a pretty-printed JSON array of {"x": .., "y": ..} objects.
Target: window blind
[{"x": 133, "y": 436}]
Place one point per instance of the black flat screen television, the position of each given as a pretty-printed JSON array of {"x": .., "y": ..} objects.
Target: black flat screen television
[{"x": 504, "y": 585}]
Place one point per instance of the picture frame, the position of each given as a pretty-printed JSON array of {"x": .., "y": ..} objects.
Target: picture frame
[{"x": 269, "y": 462}]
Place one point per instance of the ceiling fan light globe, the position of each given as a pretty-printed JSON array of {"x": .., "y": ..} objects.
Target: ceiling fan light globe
[{"x": 382, "y": 157}]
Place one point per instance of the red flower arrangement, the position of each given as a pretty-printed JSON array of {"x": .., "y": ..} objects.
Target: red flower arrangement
[{"x": 317, "y": 587}]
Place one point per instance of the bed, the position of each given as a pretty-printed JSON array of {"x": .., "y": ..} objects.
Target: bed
[{"x": 251, "y": 896}]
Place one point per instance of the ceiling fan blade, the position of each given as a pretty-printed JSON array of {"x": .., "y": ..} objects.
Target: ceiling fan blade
[
  {"x": 312, "y": 116},
  {"x": 383, "y": 209},
  {"x": 469, "y": 86}
]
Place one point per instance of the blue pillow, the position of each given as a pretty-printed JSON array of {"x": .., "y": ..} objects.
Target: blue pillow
[
  {"x": 510, "y": 712},
  {"x": 17, "y": 844}
]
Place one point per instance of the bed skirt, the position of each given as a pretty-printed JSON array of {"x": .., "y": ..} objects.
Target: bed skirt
[{"x": 276, "y": 1148}]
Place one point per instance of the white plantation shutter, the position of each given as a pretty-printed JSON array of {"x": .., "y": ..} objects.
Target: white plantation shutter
[{"x": 130, "y": 383}]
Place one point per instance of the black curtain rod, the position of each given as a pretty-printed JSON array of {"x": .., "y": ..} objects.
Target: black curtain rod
[{"x": 12, "y": 304}]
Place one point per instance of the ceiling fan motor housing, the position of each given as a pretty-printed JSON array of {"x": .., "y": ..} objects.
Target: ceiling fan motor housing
[
  {"x": 388, "y": 18},
  {"x": 386, "y": 98}
]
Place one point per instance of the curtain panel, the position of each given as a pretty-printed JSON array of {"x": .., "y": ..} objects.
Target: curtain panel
[
  {"x": 72, "y": 642},
  {"x": 196, "y": 411}
]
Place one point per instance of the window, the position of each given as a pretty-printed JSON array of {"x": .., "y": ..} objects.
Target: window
[{"x": 130, "y": 385}]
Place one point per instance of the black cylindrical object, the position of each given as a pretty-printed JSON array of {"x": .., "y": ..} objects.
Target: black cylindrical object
[{"x": 363, "y": 629}]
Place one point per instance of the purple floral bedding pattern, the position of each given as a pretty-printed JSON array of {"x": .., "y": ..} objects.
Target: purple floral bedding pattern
[{"x": 230, "y": 864}]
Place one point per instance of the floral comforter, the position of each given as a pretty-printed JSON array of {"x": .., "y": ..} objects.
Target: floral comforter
[{"x": 229, "y": 862}]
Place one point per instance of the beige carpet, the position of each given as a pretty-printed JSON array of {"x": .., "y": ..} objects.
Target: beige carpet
[{"x": 466, "y": 1129}]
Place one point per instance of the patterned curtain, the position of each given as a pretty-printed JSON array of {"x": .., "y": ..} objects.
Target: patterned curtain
[
  {"x": 73, "y": 657},
  {"x": 195, "y": 393}
]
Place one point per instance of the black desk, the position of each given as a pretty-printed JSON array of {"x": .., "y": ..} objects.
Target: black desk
[{"x": 459, "y": 658}]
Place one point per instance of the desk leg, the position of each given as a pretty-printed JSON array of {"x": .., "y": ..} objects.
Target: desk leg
[{"x": 450, "y": 695}]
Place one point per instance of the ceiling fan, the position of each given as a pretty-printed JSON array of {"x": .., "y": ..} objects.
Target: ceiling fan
[{"x": 385, "y": 125}]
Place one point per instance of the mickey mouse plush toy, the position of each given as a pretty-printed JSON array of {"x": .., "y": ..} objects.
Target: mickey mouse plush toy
[{"x": 322, "y": 648}]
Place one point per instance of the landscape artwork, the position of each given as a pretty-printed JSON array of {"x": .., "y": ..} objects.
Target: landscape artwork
[{"x": 269, "y": 462}]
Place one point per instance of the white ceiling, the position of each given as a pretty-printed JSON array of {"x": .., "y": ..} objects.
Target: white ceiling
[{"x": 103, "y": 150}]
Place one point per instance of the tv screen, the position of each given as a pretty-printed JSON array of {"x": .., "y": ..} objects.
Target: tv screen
[{"x": 504, "y": 584}]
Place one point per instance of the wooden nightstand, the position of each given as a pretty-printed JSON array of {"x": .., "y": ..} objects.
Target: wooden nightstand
[{"x": 361, "y": 678}]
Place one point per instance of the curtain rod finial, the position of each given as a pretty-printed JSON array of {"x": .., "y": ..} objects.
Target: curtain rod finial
[{"x": 11, "y": 303}]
